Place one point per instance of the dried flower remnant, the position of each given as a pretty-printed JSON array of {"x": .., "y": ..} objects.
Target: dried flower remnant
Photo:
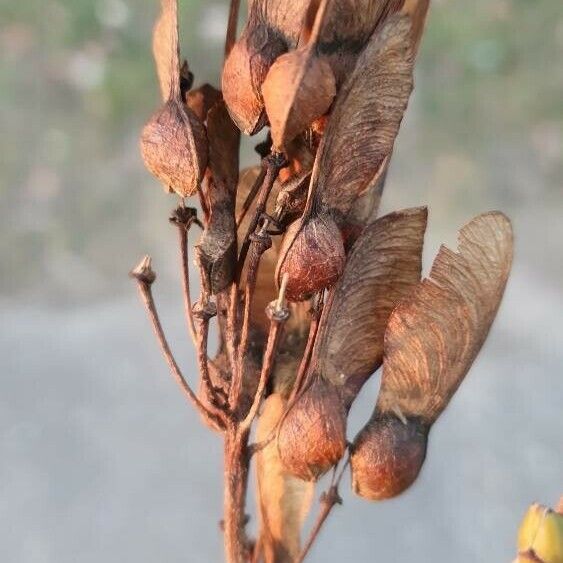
[
  {"x": 382, "y": 268},
  {"x": 431, "y": 341},
  {"x": 217, "y": 250},
  {"x": 173, "y": 142}
]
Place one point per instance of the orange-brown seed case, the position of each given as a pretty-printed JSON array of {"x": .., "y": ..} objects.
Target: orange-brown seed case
[
  {"x": 387, "y": 456},
  {"x": 312, "y": 437},
  {"x": 312, "y": 257}
]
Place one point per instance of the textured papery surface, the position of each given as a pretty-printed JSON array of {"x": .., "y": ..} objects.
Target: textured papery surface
[
  {"x": 283, "y": 500},
  {"x": 365, "y": 120},
  {"x": 383, "y": 267},
  {"x": 174, "y": 148},
  {"x": 434, "y": 335},
  {"x": 165, "y": 46},
  {"x": 312, "y": 437}
]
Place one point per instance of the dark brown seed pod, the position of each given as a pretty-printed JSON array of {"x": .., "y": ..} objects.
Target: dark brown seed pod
[
  {"x": 387, "y": 456},
  {"x": 431, "y": 340},
  {"x": 245, "y": 70},
  {"x": 312, "y": 437},
  {"x": 173, "y": 142},
  {"x": 312, "y": 256}
]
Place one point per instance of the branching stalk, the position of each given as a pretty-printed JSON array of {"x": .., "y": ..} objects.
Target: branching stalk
[{"x": 145, "y": 276}]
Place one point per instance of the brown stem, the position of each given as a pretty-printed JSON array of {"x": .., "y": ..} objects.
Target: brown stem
[
  {"x": 260, "y": 243},
  {"x": 273, "y": 164},
  {"x": 328, "y": 500},
  {"x": 203, "y": 362},
  {"x": 276, "y": 328},
  {"x": 236, "y": 462},
  {"x": 145, "y": 277},
  {"x": 183, "y": 242},
  {"x": 251, "y": 195},
  {"x": 305, "y": 360}
]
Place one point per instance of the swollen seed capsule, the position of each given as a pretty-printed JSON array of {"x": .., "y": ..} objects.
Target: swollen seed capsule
[
  {"x": 174, "y": 148},
  {"x": 312, "y": 437},
  {"x": 312, "y": 256},
  {"x": 387, "y": 456}
]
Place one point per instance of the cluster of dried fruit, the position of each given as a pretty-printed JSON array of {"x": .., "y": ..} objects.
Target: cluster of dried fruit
[{"x": 331, "y": 80}]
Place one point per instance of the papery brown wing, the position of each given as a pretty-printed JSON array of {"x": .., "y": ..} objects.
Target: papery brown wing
[
  {"x": 300, "y": 86},
  {"x": 417, "y": 10},
  {"x": 384, "y": 265},
  {"x": 435, "y": 334},
  {"x": 366, "y": 118},
  {"x": 165, "y": 47},
  {"x": 283, "y": 500}
]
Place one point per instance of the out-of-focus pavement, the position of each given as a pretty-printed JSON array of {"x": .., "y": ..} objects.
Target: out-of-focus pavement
[{"x": 100, "y": 459}]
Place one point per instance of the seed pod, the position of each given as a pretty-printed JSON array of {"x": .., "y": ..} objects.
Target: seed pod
[
  {"x": 174, "y": 142},
  {"x": 174, "y": 148},
  {"x": 382, "y": 268},
  {"x": 246, "y": 68},
  {"x": 540, "y": 537},
  {"x": 431, "y": 340},
  {"x": 299, "y": 87},
  {"x": 387, "y": 456},
  {"x": 312, "y": 256},
  {"x": 312, "y": 437}
]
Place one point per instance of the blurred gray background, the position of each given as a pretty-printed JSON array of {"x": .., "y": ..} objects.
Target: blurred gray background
[{"x": 100, "y": 458}]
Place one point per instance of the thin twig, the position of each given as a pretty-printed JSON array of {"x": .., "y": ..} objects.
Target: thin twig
[
  {"x": 328, "y": 500},
  {"x": 273, "y": 164},
  {"x": 259, "y": 244},
  {"x": 304, "y": 365},
  {"x": 183, "y": 218},
  {"x": 298, "y": 384},
  {"x": 278, "y": 315},
  {"x": 183, "y": 241},
  {"x": 203, "y": 362},
  {"x": 251, "y": 195},
  {"x": 145, "y": 276}
]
